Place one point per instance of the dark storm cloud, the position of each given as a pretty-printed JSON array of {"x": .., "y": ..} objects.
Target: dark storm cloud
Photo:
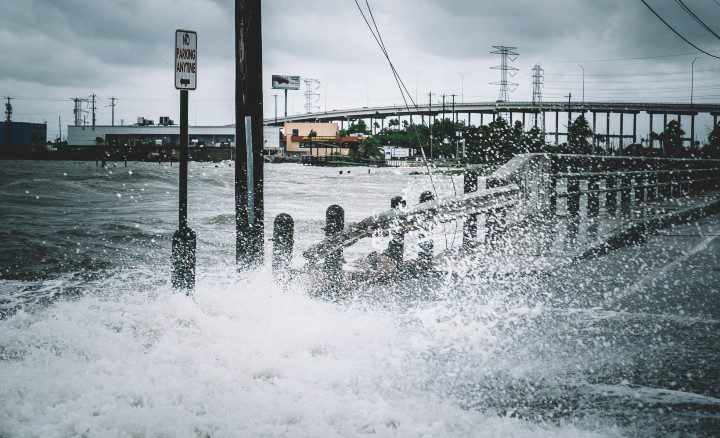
[
  {"x": 74, "y": 41},
  {"x": 65, "y": 48}
]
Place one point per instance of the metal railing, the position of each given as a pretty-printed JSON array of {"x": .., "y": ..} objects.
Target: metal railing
[{"x": 524, "y": 188}]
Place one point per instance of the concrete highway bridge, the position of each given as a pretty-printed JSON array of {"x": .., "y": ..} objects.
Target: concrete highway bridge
[{"x": 531, "y": 114}]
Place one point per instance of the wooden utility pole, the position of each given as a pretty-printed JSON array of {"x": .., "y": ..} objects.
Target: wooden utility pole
[{"x": 249, "y": 208}]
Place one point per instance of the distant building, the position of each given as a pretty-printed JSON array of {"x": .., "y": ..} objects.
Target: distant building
[
  {"x": 395, "y": 152},
  {"x": 20, "y": 139},
  {"x": 163, "y": 135},
  {"x": 326, "y": 140}
]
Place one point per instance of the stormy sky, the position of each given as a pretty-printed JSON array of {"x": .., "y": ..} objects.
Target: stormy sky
[{"x": 54, "y": 50}]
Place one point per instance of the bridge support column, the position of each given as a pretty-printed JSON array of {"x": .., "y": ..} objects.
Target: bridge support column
[
  {"x": 692, "y": 130},
  {"x": 481, "y": 119},
  {"x": 557, "y": 128},
  {"x": 608, "y": 146},
  {"x": 425, "y": 255},
  {"x": 651, "y": 141},
  {"x": 396, "y": 247},
  {"x": 662, "y": 143},
  {"x": 523, "y": 121},
  {"x": 470, "y": 181},
  {"x": 594, "y": 128},
  {"x": 469, "y": 120},
  {"x": 610, "y": 195},
  {"x": 621, "y": 144},
  {"x": 634, "y": 129}
]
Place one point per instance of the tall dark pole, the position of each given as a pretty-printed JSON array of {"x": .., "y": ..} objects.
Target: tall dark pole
[
  {"x": 184, "y": 239},
  {"x": 430, "y": 121},
  {"x": 692, "y": 79},
  {"x": 249, "y": 209}
]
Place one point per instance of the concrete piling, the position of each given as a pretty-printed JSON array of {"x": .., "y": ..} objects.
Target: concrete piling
[
  {"x": 425, "y": 255},
  {"x": 283, "y": 242},
  {"x": 334, "y": 223},
  {"x": 396, "y": 247}
]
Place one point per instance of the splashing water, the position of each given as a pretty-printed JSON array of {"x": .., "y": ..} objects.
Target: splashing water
[{"x": 94, "y": 341}]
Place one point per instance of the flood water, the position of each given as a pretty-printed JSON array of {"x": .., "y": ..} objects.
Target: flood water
[{"x": 93, "y": 341}]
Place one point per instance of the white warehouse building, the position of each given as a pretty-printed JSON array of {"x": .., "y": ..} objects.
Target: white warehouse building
[{"x": 162, "y": 136}]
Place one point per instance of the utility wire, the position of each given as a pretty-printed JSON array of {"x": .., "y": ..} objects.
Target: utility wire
[
  {"x": 696, "y": 18},
  {"x": 675, "y": 31},
  {"x": 375, "y": 31},
  {"x": 398, "y": 79}
]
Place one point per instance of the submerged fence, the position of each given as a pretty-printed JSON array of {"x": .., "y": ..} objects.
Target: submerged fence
[{"x": 528, "y": 187}]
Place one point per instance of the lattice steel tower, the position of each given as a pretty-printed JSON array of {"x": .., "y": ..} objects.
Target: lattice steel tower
[
  {"x": 311, "y": 96},
  {"x": 8, "y": 110},
  {"x": 538, "y": 80},
  {"x": 506, "y": 54}
]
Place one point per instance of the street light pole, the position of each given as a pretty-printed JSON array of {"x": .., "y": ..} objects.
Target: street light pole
[
  {"x": 417, "y": 77},
  {"x": 462, "y": 87},
  {"x": 692, "y": 79},
  {"x": 583, "y": 83},
  {"x": 326, "y": 86}
]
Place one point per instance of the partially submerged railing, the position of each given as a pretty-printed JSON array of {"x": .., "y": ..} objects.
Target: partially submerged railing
[
  {"x": 636, "y": 180},
  {"x": 527, "y": 187}
]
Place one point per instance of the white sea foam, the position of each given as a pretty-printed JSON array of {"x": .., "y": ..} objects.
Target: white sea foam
[{"x": 236, "y": 358}]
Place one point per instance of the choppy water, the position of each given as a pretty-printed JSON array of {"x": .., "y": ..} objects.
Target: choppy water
[{"x": 93, "y": 341}]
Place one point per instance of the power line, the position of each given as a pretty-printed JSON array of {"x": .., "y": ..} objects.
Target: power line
[
  {"x": 696, "y": 18},
  {"x": 676, "y": 32},
  {"x": 398, "y": 79}
]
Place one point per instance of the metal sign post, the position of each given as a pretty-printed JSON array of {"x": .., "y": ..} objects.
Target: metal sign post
[{"x": 184, "y": 239}]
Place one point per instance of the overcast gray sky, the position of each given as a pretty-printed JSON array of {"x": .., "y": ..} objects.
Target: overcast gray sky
[{"x": 53, "y": 50}]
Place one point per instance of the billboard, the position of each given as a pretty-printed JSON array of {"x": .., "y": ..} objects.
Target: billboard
[{"x": 284, "y": 82}]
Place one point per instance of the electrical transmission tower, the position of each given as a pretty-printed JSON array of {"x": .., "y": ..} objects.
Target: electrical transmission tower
[
  {"x": 311, "y": 96},
  {"x": 8, "y": 109},
  {"x": 538, "y": 80},
  {"x": 506, "y": 54},
  {"x": 77, "y": 109}
]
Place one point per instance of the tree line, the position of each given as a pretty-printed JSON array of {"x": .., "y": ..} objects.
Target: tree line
[{"x": 498, "y": 141}]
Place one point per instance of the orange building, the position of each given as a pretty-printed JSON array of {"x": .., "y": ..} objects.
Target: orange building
[{"x": 326, "y": 141}]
